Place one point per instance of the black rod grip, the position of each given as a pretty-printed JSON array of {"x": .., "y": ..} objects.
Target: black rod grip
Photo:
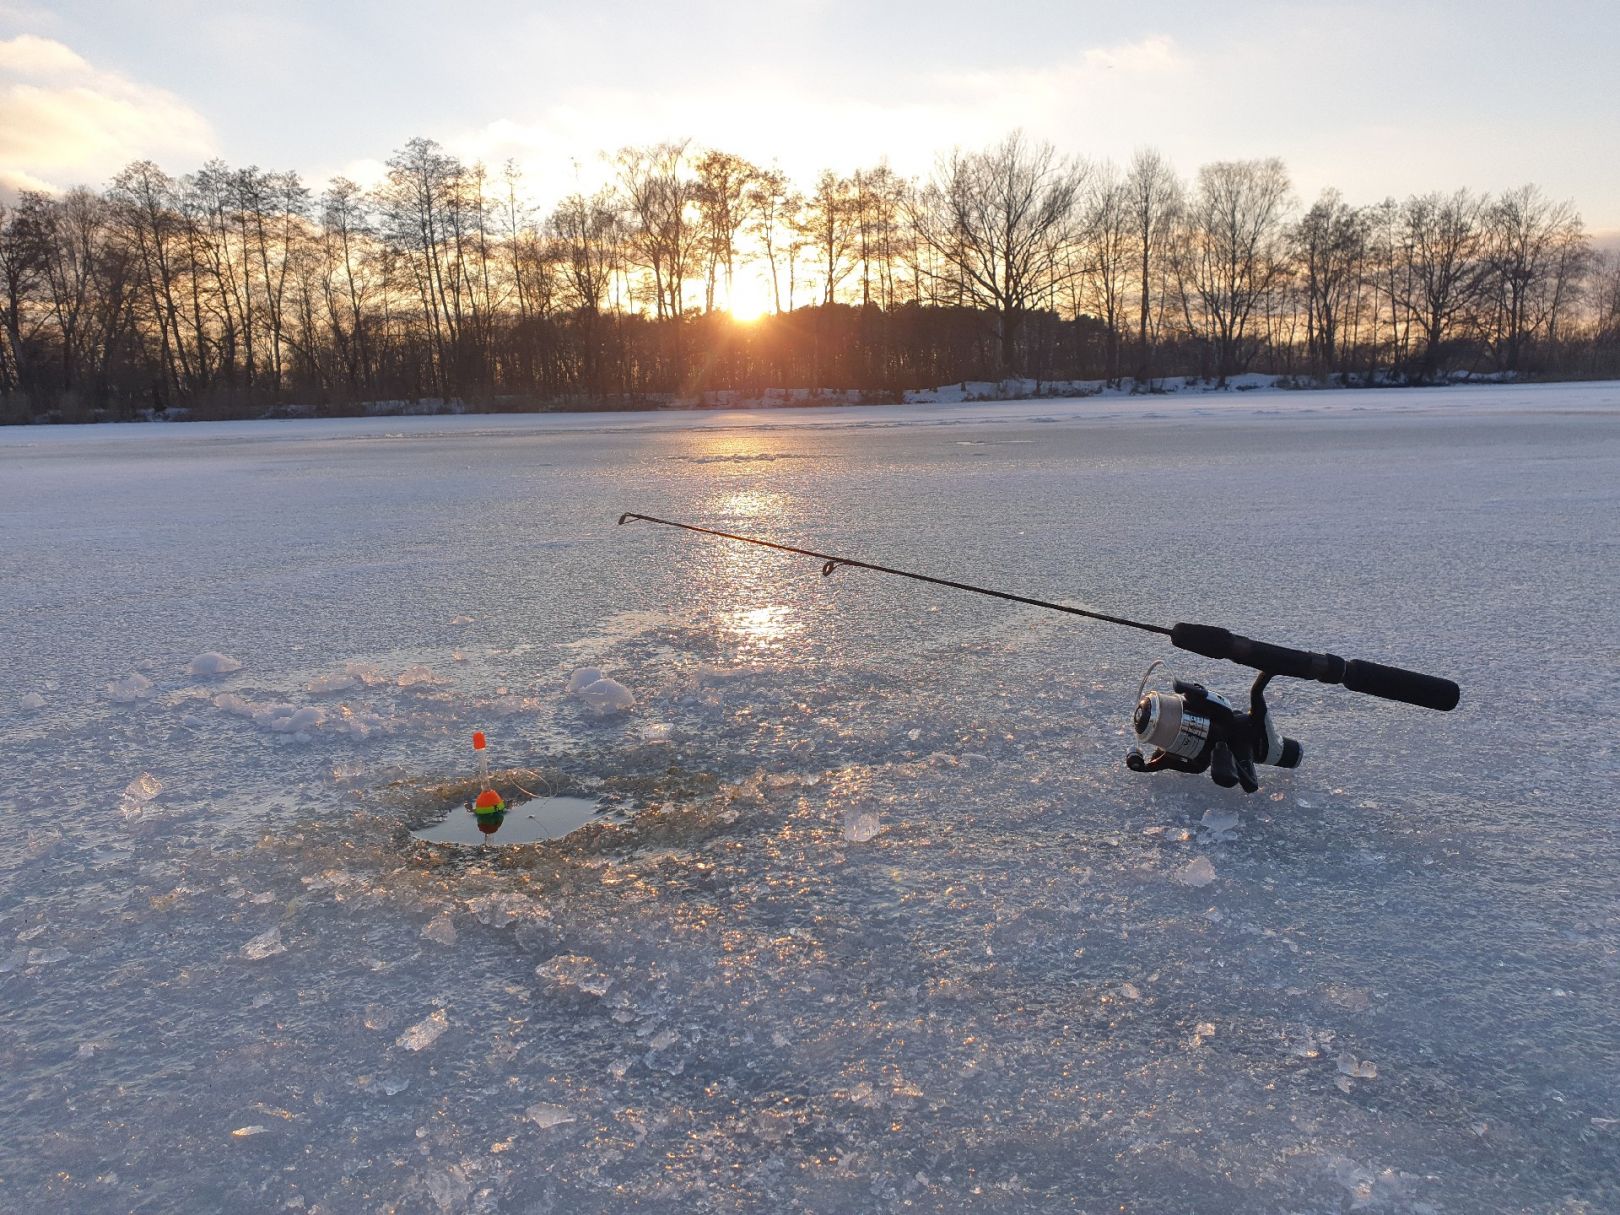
[
  {"x": 1214, "y": 642},
  {"x": 1393, "y": 683},
  {"x": 1370, "y": 678}
]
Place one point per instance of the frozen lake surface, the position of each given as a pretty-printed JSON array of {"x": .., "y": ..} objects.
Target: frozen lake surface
[{"x": 884, "y": 923}]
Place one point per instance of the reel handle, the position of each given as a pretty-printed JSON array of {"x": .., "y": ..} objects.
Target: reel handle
[{"x": 1371, "y": 678}]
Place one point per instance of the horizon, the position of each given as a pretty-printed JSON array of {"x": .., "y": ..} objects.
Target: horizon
[{"x": 84, "y": 92}]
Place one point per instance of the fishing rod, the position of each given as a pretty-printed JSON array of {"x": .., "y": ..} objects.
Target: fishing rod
[{"x": 1190, "y": 729}]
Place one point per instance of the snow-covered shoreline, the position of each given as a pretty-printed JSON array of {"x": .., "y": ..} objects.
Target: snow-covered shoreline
[{"x": 953, "y": 406}]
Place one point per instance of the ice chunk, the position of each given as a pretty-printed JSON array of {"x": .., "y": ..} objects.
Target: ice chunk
[
  {"x": 501, "y": 908},
  {"x": 441, "y": 929},
  {"x": 266, "y": 945},
  {"x": 1218, "y": 821},
  {"x": 607, "y": 696},
  {"x": 417, "y": 676},
  {"x": 545, "y": 1115},
  {"x": 657, "y": 732},
  {"x": 1362, "y": 1069},
  {"x": 130, "y": 688},
  {"x": 367, "y": 673},
  {"x": 247, "y": 1132},
  {"x": 862, "y": 826},
  {"x": 212, "y": 663},
  {"x": 449, "y": 1189},
  {"x": 582, "y": 679},
  {"x": 576, "y": 971},
  {"x": 32, "y": 702},
  {"x": 336, "y": 681},
  {"x": 1196, "y": 872},
  {"x": 45, "y": 957},
  {"x": 137, "y": 794},
  {"x": 425, "y": 1032},
  {"x": 664, "y": 1039},
  {"x": 279, "y": 717}
]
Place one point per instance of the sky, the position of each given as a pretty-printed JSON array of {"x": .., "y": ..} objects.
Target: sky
[{"x": 1376, "y": 98}]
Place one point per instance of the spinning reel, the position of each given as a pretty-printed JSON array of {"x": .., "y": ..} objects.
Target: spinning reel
[{"x": 1193, "y": 730}]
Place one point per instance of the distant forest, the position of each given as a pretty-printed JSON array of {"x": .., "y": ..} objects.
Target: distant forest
[{"x": 235, "y": 292}]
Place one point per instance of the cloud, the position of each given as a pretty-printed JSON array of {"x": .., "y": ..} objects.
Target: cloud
[
  {"x": 64, "y": 121},
  {"x": 907, "y": 118}
]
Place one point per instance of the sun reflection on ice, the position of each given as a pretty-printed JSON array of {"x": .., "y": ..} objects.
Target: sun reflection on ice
[{"x": 764, "y": 626}]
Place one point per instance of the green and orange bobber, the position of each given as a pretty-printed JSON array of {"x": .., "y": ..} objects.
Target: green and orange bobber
[{"x": 489, "y": 808}]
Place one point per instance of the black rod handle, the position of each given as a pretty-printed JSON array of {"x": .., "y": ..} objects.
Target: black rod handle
[
  {"x": 1370, "y": 678},
  {"x": 1395, "y": 683}
]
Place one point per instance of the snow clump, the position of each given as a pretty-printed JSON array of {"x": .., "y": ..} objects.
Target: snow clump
[
  {"x": 602, "y": 694},
  {"x": 1196, "y": 872},
  {"x": 130, "y": 688},
  {"x": 280, "y": 718},
  {"x": 862, "y": 826},
  {"x": 212, "y": 663}
]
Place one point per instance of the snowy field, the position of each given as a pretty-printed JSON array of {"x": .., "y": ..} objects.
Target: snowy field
[{"x": 875, "y": 919}]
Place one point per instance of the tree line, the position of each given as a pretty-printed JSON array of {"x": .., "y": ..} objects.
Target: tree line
[{"x": 229, "y": 292}]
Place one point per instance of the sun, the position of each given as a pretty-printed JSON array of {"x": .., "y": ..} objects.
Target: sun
[{"x": 750, "y": 299}]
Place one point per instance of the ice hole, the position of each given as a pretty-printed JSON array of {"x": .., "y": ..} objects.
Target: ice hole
[{"x": 525, "y": 822}]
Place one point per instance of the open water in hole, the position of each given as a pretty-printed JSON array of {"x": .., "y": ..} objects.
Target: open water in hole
[
  {"x": 543, "y": 818},
  {"x": 891, "y": 928}
]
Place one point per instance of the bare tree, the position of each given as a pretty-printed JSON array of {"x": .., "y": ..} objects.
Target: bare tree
[
  {"x": 827, "y": 225},
  {"x": 723, "y": 185},
  {"x": 588, "y": 232},
  {"x": 774, "y": 207},
  {"x": 998, "y": 218},
  {"x": 1534, "y": 250},
  {"x": 1153, "y": 198},
  {"x": 1329, "y": 246},
  {"x": 661, "y": 194},
  {"x": 1230, "y": 255},
  {"x": 1440, "y": 245},
  {"x": 1108, "y": 257}
]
